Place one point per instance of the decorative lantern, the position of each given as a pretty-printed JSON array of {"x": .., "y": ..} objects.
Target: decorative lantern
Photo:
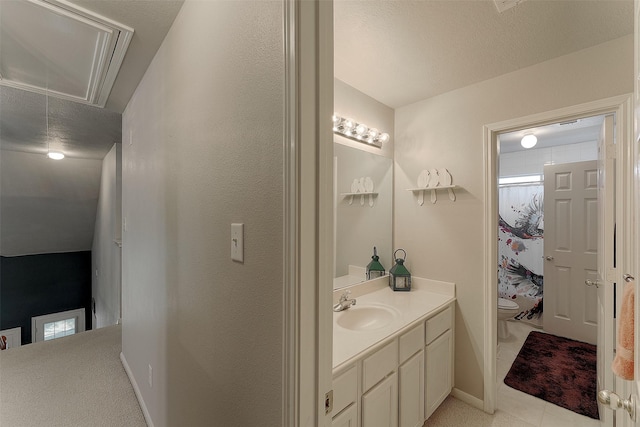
[
  {"x": 375, "y": 269},
  {"x": 399, "y": 276}
]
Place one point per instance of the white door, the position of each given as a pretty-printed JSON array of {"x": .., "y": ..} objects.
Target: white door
[
  {"x": 604, "y": 279},
  {"x": 616, "y": 256},
  {"x": 570, "y": 250},
  {"x": 634, "y": 202}
]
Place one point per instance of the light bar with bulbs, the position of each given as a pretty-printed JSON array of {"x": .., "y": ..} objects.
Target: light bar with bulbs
[{"x": 358, "y": 131}]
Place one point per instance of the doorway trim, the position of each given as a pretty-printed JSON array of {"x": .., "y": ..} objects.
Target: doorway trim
[
  {"x": 622, "y": 107},
  {"x": 308, "y": 213}
]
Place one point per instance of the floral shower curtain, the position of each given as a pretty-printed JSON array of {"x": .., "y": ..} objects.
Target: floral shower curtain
[{"x": 520, "y": 249}]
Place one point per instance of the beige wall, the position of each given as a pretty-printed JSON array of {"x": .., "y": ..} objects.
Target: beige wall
[
  {"x": 105, "y": 254},
  {"x": 202, "y": 148},
  {"x": 444, "y": 241},
  {"x": 44, "y": 207}
]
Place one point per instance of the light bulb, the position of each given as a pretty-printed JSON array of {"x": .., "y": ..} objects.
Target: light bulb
[
  {"x": 384, "y": 137},
  {"x": 373, "y": 133},
  {"x": 336, "y": 120},
  {"x": 55, "y": 155},
  {"x": 361, "y": 130},
  {"x": 529, "y": 141},
  {"x": 348, "y": 124}
]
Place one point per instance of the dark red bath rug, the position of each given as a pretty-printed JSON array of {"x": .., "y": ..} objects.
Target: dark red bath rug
[{"x": 559, "y": 370}]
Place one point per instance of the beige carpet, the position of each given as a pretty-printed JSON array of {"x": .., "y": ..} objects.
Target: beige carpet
[
  {"x": 455, "y": 413},
  {"x": 76, "y": 381}
]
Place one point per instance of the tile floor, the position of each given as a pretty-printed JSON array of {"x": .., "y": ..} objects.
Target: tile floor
[
  {"x": 536, "y": 412},
  {"x": 514, "y": 408}
]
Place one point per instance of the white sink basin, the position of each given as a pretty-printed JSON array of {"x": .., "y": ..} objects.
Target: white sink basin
[{"x": 366, "y": 317}]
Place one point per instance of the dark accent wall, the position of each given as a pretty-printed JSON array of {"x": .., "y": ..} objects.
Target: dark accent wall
[{"x": 33, "y": 285}]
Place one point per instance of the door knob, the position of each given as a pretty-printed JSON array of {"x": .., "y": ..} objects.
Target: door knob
[
  {"x": 628, "y": 278},
  {"x": 549, "y": 258},
  {"x": 614, "y": 402},
  {"x": 592, "y": 283}
]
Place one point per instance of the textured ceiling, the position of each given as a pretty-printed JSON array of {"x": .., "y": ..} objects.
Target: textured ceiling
[
  {"x": 79, "y": 130},
  {"x": 400, "y": 52},
  {"x": 49, "y": 206},
  {"x": 553, "y": 135}
]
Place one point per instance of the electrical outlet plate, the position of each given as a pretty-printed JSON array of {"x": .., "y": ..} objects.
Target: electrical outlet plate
[
  {"x": 237, "y": 242},
  {"x": 503, "y": 5}
]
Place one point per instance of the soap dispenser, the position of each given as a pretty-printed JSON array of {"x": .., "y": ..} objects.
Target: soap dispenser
[{"x": 375, "y": 268}]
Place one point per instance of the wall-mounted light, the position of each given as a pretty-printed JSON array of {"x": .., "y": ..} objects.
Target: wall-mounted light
[
  {"x": 358, "y": 131},
  {"x": 529, "y": 140}
]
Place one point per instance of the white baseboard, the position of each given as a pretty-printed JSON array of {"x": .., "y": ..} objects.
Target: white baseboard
[
  {"x": 136, "y": 389},
  {"x": 468, "y": 399}
]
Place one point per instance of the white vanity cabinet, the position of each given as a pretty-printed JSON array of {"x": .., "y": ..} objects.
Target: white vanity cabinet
[
  {"x": 345, "y": 397},
  {"x": 411, "y": 377},
  {"x": 438, "y": 359},
  {"x": 380, "y": 387},
  {"x": 400, "y": 381},
  {"x": 380, "y": 404},
  {"x": 347, "y": 418}
]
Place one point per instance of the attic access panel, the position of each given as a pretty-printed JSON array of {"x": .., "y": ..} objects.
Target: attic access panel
[{"x": 58, "y": 48}]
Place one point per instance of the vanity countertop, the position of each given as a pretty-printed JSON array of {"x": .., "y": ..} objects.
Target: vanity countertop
[{"x": 426, "y": 297}]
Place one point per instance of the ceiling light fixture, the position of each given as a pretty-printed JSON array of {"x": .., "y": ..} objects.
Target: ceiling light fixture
[
  {"x": 55, "y": 155},
  {"x": 358, "y": 131},
  {"x": 529, "y": 141}
]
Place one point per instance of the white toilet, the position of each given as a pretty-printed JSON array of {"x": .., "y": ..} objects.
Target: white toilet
[{"x": 506, "y": 310}]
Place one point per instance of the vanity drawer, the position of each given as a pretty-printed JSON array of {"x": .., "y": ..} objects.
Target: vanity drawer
[
  {"x": 345, "y": 389},
  {"x": 411, "y": 342},
  {"x": 438, "y": 324},
  {"x": 379, "y": 365}
]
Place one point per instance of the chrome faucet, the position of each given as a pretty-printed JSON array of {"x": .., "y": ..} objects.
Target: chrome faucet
[{"x": 344, "y": 302}]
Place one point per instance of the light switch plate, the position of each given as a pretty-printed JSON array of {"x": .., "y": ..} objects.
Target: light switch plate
[{"x": 237, "y": 242}]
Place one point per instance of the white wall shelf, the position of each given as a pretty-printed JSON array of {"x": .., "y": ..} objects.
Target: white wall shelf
[
  {"x": 366, "y": 193},
  {"x": 358, "y": 194},
  {"x": 434, "y": 197},
  {"x": 434, "y": 180}
]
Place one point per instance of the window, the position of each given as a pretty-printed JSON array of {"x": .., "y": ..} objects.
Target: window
[
  {"x": 59, "y": 329},
  {"x": 57, "y": 325},
  {"x": 523, "y": 179}
]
